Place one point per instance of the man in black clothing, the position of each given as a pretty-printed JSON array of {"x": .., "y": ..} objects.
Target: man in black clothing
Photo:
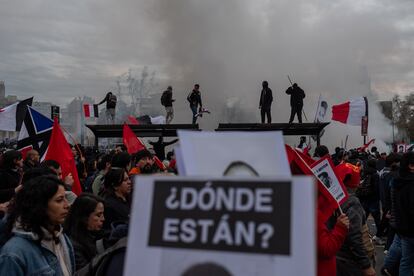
[
  {"x": 266, "y": 99},
  {"x": 110, "y": 100},
  {"x": 296, "y": 102},
  {"x": 167, "y": 100},
  {"x": 194, "y": 98},
  {"x": 159, "y": 147}
]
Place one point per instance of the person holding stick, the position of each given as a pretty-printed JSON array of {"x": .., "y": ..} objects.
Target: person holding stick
[{"x": 296, "y": 101}]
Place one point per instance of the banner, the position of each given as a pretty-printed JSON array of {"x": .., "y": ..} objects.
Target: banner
[
  {"x": 325, "y": 172},
  {"x": 241, "y": 226}
]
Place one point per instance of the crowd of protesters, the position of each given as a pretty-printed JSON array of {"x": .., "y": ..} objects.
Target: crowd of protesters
[{"x": 46, "y": 229}]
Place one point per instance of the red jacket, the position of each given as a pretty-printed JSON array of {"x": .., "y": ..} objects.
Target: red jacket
[{"x": 329, "y": 243}]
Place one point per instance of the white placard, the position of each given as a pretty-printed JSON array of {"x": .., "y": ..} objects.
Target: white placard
[
  {"x": 144, "y": 258},
  {"x": 211, "y": 153}
]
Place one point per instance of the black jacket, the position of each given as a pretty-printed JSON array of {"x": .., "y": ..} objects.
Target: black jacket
[
  {"x": 159, "y": 148},
  {"x": 402, "y": 205},
  {"x": 110, "y": 101},
  {"x": 266, "y": 98},
  {"x": 84, "y": 250},
  {"x": 194, "y": 98},
  {"x": 353, "y": 250},
  {"x": 168, "y": 99},
  {"x": 296, "y": 96},
  {"x": 116, "y": 209},
  {"x": 9, "y": 181}
]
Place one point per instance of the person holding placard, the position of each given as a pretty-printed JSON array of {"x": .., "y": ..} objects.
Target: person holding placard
[
  {"x": 357, "y": 253},
  {"x": 329, "y": 243}
]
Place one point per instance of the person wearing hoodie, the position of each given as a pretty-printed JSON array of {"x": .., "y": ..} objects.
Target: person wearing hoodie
[
  {"x": 36, "y": 244},
  {"x": 402, "y": 212},
  {"x": 355, "y": 256}
]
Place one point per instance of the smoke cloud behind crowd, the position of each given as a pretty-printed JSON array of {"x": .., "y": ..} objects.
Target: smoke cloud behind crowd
[{"x": 337, "y": 49}]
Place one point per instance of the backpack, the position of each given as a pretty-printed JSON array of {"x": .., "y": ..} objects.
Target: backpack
[
  {"x": 99, "y": 264},
  {"x": 164, "y": 98},
  {"x": 112, "y": 101}
]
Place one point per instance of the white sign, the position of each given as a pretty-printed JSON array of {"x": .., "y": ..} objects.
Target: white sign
[
  {"x": 216, "y": 153},
  {"x": 323, "y": 170},
  {"x": 182, "y": 226}
]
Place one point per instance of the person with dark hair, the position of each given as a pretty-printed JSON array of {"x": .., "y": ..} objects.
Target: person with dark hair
[
  {"x": 110, "y": 100},
  {"x": 83, "y": 225},
  {"x": 402, "y": 212},
  {"x": 121, "y": 160},
  {"x": 357, "y": 253},
  {"x": 144, "y": 163},
  {"x": 159, "y": 147},
  {"x": 320, "y": 151},
  {"x": 10, "y": 175},
  {"x": 368, "y": 192},
  {"x": 167, "y": 102},
  {"x": 32, "y": 160},
  {"x": 265, "y": 103},
  {"x": 117, "y": 196},
  {"x": 103, "y": 166},
  {"x": 325, "y": 179},
  {"x": 194, "y": 98},
  {"x": 296, "y": 102},
  {"x": 37, "y": 244},
  {"x": 57, "y": 169},
  {"x": 120, "y": 148},
  {"x": 302, "y": 143}
]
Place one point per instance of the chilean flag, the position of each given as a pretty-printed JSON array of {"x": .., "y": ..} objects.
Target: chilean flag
[
  {"x": 91, "y": 110},
  {"x": 351, "y": 112}
]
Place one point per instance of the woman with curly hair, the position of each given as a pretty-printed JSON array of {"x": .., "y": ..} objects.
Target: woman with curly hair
[
  {"x": 37, "y": 245},
  {"x": 83, "y": 225}
]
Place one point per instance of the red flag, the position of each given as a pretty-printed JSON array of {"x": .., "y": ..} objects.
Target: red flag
[
  {"x": 365, "y": 146},
  {"x": 131, "y": 141},
  {"x": 132, "y": 120},
  {"x": 300, "y": 165},
  {"x": 350, "y": 112},
  {"x": 133, "y": 144},
  {"x": 60, "y": 151}
]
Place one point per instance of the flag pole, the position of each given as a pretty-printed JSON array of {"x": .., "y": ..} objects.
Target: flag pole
[{"x": 82, "y": 122}]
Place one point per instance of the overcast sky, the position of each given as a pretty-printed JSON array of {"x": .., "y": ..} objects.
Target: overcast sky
[{"x": 56, "y": 50}]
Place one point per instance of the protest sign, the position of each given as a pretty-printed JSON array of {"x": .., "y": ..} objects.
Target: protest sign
[
  {"x": 211, "y": 153},
  {"x": 244, "y": 227},
  {"x": 323, "y": 169}
]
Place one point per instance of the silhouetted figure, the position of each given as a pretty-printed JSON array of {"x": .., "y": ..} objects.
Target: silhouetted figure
[
  {"x": 194, "y": 98},
  {"x": 167, "y": 101},
  {"x": 159, "y": 147},
  {"x": 266, "y": 99},
  {"x": 110, "y": 100},
  {"x": 296, "y": 102}
]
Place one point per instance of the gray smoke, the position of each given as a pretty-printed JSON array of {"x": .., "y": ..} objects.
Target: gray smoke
[{"x": 230, "y": 46}]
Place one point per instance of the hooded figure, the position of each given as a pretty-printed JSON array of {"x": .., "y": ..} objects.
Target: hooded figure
[
  {"x": 296, "y": 102},
  {"x": 266, "y": 99}
]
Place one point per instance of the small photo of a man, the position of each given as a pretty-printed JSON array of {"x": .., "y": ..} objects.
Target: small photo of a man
[{"x": 325, "y": 179}]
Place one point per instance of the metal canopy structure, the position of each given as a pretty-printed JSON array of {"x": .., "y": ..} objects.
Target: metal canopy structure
[
  {"x": 313, "y": 129},
  {"x": 112, "y": 131},
  {"x": 115, "y": 131}
]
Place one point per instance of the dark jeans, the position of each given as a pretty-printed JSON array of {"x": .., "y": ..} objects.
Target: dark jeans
[
  {"x": 266, "y": 112},
  {"x": 371, "y": 206},
  {"x": 296, "y": 109},
  {"x": 407, "y": 256},
  {"x": 392, "y": 260},
  {"x": 194, "y": 110}
]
